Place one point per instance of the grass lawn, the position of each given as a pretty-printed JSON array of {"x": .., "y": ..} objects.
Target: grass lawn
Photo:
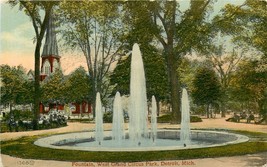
[{"x": 25, "y": 148}]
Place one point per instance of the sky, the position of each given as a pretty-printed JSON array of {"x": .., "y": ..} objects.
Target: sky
[
  {"x": 17, "y": 34},
  {"x": 17, "y": 47}
]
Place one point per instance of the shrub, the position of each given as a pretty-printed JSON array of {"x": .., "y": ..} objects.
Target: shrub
[
  {"x": 107, "y": 118},
  {"x": 164, "y": 119},
  {"x": 20, "y": 115},
  {"x": 167, "y": 119},
  {"x": 24, "y": 121},
  {"x": 194, "y": 118}
]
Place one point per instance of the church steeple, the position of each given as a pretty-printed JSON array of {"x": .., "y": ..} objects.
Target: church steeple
[
  {"x": 50, "y": 46},
  {"x": 50, "y": 56}
]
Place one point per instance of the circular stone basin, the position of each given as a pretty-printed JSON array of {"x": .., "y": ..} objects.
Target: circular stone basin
[{"x": 166, "y": 140}]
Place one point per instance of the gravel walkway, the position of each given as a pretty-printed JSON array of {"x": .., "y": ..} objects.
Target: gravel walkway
[{"x": 250, "y": 160}]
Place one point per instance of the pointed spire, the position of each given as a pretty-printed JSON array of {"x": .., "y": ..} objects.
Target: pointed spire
[{"x": 50, "y": 46}]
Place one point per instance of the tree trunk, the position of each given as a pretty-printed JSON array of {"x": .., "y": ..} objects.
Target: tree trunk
[
  {"x": 171, "y": 59},
  {"x": 174, "y": 87},
  {"x": 158, "y": 108},
  {"x": 223, "y": 110},
  {"x": 208, "y": 115},
  {"x": 211, "y": 112},
  {"x": 37, "y": 98}
]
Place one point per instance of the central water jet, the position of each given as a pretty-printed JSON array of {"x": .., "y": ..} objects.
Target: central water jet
[
  {"x": 138, "y": 99},
  {"x": 185, "y": 123}
]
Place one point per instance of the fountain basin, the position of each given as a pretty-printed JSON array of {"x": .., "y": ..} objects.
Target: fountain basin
[{"x": 166, "y": 140}]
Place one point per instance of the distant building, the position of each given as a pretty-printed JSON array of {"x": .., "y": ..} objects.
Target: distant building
[
  {"x": 30, "y": 75},
  {"x": 50, "y": 63},
  {"x": 50, "y": 56}
]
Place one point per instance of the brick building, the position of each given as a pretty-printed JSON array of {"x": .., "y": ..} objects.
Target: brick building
[{"x": 51, "y": 62}]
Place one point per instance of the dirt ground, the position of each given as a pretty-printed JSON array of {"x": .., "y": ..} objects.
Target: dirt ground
[{"x": 250, "y": 160}]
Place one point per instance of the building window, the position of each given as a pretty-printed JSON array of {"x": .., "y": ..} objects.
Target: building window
[
  {"x": 47, "y": 70},
  {"x": 46, "y": 67}
]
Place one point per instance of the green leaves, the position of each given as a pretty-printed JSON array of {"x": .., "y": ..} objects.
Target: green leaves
[
  {"x": 207, "y": 88},
  {"x": 73, "y": 88},
  {"x": 77, "y": 86},
  {"x": 14, "y": 84},
  {"x": 247, "y": 23},
  {"x": 52, "y": 88},
  {"x": 249, "y": 82},
  {"x": 94, "y": 29}
]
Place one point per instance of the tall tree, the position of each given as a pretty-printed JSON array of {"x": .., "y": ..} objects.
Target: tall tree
[
  {"x": 178, "y": 33},
  {"x": 249, "y": 85},
  {"x": 225, "y": 63},
  {"x": 53, "y": 87},
  {"x": 207, "y": 90},
  {"x": 35, "y": 10},
  {"x": 12, "y": 79},
  {"x": 77, "y": 86},
  {"x": 246, "y": 24},
  {"x": 27, "y": 93},
  {"x": 93, "y": 28}
]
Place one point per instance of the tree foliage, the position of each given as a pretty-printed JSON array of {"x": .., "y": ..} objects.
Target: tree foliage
[
  {"x": 249, "y": 21},
  {"x": 77, "y": 86},
  {"x": 207, "y": 88},
  {"x": 52, "y": 87},
  {"x": 14, "y": 85},
  {"x": 178, "y": 33},
  {"x": 93, "y": 28},
  {"x": 249, "y": 85}
]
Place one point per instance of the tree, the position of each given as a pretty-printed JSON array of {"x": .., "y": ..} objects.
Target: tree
[
  {"x": 13, "y": 81},
  {"x": 207, "y": 90},
  {"x": 247, "y": 23},
  {"x": 225, "y": 64},
  {"x": 93, "y": 28},
  {"x": 34, "y": 10},
  {"x": 252, "y": 16},
  {"x": 249, "y": 85},
  {"x": 177, "y": 32},
  {"x": 77, "y": 86},
  {"x": 187, "y": 71},
  {"x": 53, "y": 87},
  {"x": 27, "y": 93}
]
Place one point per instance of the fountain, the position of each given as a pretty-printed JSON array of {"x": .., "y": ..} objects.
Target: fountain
[
  {"x": 185, "y": 123},
  {"x": 138, "y": 138}
]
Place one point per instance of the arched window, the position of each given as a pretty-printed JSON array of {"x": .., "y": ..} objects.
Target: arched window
[{"x": 46, "y": 67}]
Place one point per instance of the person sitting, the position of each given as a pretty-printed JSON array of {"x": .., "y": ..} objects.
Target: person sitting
[
  {"x": 236, "y": 118},
  {"x": 250, "y": 118},
  {"x": 243, "y": 116}
]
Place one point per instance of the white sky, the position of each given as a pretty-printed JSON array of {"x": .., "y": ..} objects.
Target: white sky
[{"x": 17, "y": 33}]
